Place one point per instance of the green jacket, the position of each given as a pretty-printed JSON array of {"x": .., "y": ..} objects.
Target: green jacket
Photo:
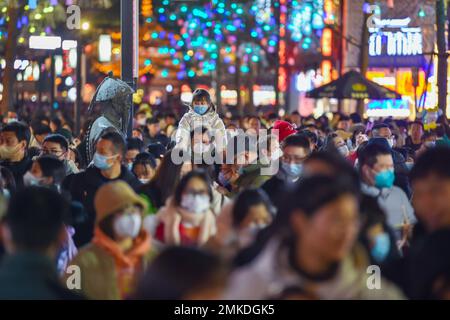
[
  {"x": 251, "y": 177},
  {"x": 98, "y": 272}
]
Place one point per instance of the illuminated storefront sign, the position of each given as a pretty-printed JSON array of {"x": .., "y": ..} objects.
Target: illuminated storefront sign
[
  {"x": 394, "y": 42},
  {"x": 384, "y": 108},
  {"x": 282, "y": 73},
  {"x": 327, "y": 42}
]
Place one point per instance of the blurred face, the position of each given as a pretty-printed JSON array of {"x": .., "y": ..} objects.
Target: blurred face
[
  {"x": 257, "y": 215},
  {"x": 338, "y": 142},
  {"x": 127, "y": 224},
  {"x": 430, "y": 201},
  {"x": 130, "y": 155},
  {"x": 317, "y": 167},
  {"x": 13, "y": 149},
  {"x": 344, "y": 125},
  {"x": 140, "y": 119},
  {"x": 143, "y": 172},
  {"x": 36, "y": 170},
  {"x": 137, "y": 134},
  {"x": 55, "y": 149},
  {"x": 416, "y": 131},
  {"x": 294, "y": 155},
  {"x": 229, "y": 171},
  {"x": 53, "y": 126},
  {"x": 200, "y": 101},
  {"x": 385, "y": 133},
  {"x": 295, "y": 118},
  {"x": 254, "y": 125},
  {"x": 153, "y": 129},
  {"x": 71, "y": 156},
  {"x": 107, "y": 149},
  {"x": 185, "y": 168},
  {"x": 40, "y": 138},
  {"x": 384, "y": 162},
  {"x": 170, "y": 121},
  {"x": 195, "y": 186},
  {"x": 201, "y": 138},
  {"x": 331, "y": 232}
]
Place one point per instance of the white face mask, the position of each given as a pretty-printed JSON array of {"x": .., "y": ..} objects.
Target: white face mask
[
  {"x": 144, "y": 181},
  {"x": 141, "y": 121},
  {"x": 128, "y": 225},
  {"x": 248, "y": 235},
  {"x": 30, "y": 179},
  {"x": 195, "y": 203},
  {"x": 343, "y": 150}
]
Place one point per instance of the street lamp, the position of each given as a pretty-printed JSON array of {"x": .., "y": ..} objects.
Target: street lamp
[{"x": 85, "y": 26}]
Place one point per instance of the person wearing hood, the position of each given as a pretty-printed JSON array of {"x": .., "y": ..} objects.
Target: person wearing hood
[
  {"x": 311, "y": 246},
  {"x": 114, "y": 260},
  {"x": 296, "y": 150},
  {"x": 376, "y": 168},
  {"x": 202, "y": 113},
  {"x": 187, "y": 218},
  {"x": 110, "y": 151}
]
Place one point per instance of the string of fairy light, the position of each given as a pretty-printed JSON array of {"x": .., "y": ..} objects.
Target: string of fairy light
[
  {"x": 38, "y": 17},
  {"x": 197, "y": 35},
  {"x": 200, "y": 34}
]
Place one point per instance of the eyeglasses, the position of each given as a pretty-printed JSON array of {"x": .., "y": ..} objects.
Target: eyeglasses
[
  {"x": 292, "y": 159},
  {"x": 53, "y": 152}
]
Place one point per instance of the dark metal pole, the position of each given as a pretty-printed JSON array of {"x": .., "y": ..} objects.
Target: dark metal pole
[
  {"x": 442, "y": 55},
  {"x": 78, "y": 102},
  {"x": 129, "y": 27},
  {"x": 52, "y": 81}
]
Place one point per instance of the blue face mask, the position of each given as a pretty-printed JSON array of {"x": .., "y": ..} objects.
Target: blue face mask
[
  {"x": 6, "y": 194},
  {"x": 130, "y": 166},
  {"x": 101, "y": 162},
  {"x": 384, "y": 179},
  {"x": 200, "y": 109},
  {"x": 222, "y": 180},
  {"x": 381, "y": 247},
  {"x": 409, "y": 165},
  {"x": 293, "y": 170}
]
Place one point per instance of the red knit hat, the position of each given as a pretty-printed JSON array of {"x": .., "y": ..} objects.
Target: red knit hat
[{"x": 285, "y": 129}]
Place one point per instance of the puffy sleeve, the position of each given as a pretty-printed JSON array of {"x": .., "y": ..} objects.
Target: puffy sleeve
[
  {"x": 183, "y": 132},
  {"x": 220, "y": 134}
]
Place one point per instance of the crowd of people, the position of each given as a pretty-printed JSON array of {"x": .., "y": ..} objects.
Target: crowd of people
[{"x": 346, "y": 195}]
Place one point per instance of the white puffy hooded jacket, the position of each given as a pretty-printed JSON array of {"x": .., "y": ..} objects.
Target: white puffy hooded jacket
[{"x": 209, "y": 120}]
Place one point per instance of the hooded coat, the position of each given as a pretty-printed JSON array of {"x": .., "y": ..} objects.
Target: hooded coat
[{"x": 210, "y": 120}]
